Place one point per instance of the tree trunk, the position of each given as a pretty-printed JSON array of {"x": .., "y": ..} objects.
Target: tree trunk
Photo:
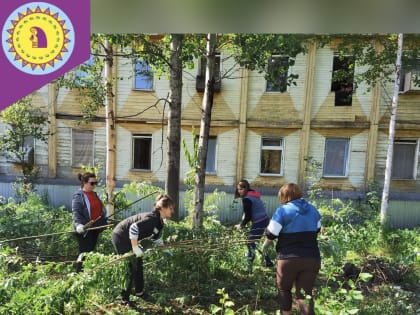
[
  {"x": 174, "y": 123},
  {"x": 207, "y": 106},
  {"x": 392, "y": 121},
  {"x": 110, "y": 129}
]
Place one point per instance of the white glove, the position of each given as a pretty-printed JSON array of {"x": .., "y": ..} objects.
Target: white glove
[
  {"x": 137, "y": 251},
  {"x": 80, "y": 229},
  {"x": 238, "y": 227},
  {"x": 158, "y": 242}
]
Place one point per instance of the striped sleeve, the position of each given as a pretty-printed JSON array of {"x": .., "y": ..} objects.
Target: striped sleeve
[{"x": 134, "y": 232}]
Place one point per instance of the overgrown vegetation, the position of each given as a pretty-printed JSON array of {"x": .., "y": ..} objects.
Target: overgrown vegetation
[
  {"x": 26, "y": 124},
  {"x": 366, "y": 269}
]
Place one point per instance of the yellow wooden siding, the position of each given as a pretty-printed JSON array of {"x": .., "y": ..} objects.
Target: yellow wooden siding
[
  {"x": 124, "y": 152},
  {"x": 267, "y": 114}
]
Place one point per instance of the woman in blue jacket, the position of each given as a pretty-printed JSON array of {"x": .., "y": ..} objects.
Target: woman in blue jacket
[{"x": 295, "y": 225}]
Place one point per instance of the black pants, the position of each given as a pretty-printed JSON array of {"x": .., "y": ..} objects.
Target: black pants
[
  {"x": 135, "y": 275},
  {"x": 87, "y": 243}
]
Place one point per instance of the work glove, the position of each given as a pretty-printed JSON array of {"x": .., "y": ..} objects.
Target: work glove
[
  {"x": 158, "y": 242},
  {"x": 238, "y": 227},
  {"x": 80, "y": 229},
  {"x": 265, "y": 246},
  {"x": 137, "y": 251}
]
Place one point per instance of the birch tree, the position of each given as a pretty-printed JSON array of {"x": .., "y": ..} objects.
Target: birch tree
[
  {"x": 110, "y": 127},
  {"x": 391, "y": 135}
]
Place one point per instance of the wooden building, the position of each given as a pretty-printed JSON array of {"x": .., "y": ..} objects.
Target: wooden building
[{"x": 264, "y": 132}]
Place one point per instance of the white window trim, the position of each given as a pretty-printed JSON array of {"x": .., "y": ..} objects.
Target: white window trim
[
  {"x": 272, "y": 148},
  {"x": 346, "y": 172}
]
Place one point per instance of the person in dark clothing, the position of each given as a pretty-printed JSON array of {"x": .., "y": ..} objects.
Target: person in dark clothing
[
  {"x": 88, "y": 212},
  {"x": 128, "y": 234},
  {"x": 253, "y": 211},
  {"x": 295, "y": 225}
]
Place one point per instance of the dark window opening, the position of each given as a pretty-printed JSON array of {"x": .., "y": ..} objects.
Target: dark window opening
[
  {"x": 277, "y": 71},
  {"x": 201, "y": 76},
  {"x": 343, "y": 79},
  {"x": 142, "y": 152}
]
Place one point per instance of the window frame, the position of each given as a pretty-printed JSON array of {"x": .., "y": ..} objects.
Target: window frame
[
  {"x": 133, "y": 151},
  {"x": 345, "y": 162},
  {"x": 283, "y": 87},
  {"x": 280, "y": 147},
  {"x": 148, "y": 82},
  {"x": 73, "y": 147},
  {"x": 406, "y": 141},
  {"x": 212, "y": 172}
]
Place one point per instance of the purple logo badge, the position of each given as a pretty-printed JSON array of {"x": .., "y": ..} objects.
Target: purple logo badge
[
  {"x": 38, "y": 38},
  {"x": 40, "y": 41}
]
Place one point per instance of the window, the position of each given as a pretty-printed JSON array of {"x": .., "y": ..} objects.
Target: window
[
  {"x": 143, "y": 76},
  {"x": 211, "y": 155},
  {"x": 342, "y": 79},
  {"x": 271, "y": 156},
  {"x": 336, "y": 157},
  {"x": 25, "y": 152},
  {"x": 277, "y": 70},
  {"x": 142, "y": 152},
  {"x": 201, "y": 76},
  {"x": 82, "y": 147},
  {"x": 404, "y": 161}
]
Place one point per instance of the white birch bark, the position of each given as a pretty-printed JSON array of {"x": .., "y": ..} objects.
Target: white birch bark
[{"x": 391, "y": 136}]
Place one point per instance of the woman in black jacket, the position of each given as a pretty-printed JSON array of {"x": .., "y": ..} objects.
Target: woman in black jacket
[{"x": 127, "y": 235}]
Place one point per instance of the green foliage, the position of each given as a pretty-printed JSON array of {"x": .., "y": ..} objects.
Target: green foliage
[
  {"x": 207, "y": 273},
  {"x": 192, "y": 160},
  {"x": 25, "y": 121},
  {"x": 252, "y": 51},
  {"x": 87, "y": 79},
  {"x": 33, "y": 217}
]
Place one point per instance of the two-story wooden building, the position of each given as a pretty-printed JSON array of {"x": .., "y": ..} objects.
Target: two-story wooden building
[{"x": 264, "y": 132}]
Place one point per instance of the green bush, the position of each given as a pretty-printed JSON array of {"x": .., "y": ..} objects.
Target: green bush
[{"x": 207, "y": 273}]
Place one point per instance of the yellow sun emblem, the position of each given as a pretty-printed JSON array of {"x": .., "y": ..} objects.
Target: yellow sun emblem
[{"x": 40, "y": 39}]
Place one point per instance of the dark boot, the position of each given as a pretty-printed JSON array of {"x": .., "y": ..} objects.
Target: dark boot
[
  {"x": 79, "y": 262},
  {"x": 267, "y": 261}
]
